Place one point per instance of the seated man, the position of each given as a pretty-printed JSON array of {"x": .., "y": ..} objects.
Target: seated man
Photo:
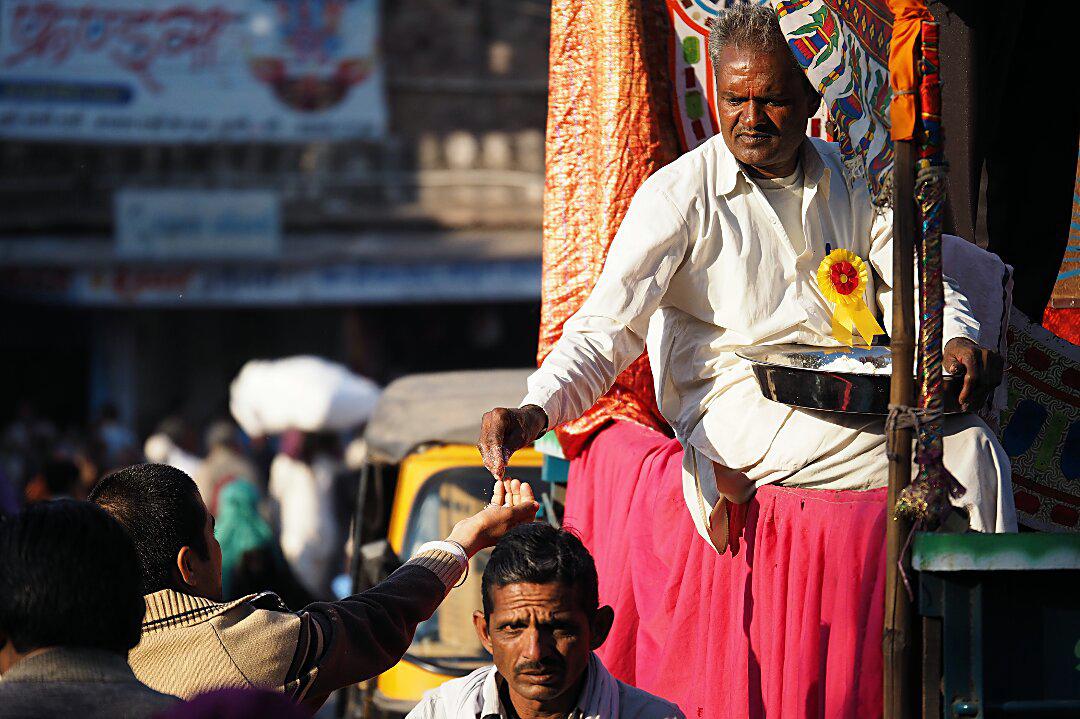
[
  {"x": 70, "y": 610},
  {"x": 192, "y": 643},
  {"x": 541, "y": 623},
  {"x": 720, "y": 250}
]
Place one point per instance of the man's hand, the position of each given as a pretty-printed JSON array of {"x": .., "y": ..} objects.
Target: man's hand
[
  {"x": 505, "y": 431},
  {"x": 981, "y": 370},
  {"x": 512, "y": 503}
]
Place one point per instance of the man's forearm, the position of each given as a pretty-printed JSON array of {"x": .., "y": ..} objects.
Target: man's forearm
[
  {"x": 582, "y": 366},
  {"x": 361, "y": 636}
]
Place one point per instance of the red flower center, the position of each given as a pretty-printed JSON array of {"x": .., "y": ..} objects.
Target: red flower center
[{"x": 845, "y": 278}]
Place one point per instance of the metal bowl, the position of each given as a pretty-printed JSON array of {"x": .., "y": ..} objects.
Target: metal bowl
[{"x": 792, "y": 374}]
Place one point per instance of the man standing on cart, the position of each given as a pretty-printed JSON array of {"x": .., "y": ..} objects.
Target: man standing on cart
[{"x": 722, "y": 250}]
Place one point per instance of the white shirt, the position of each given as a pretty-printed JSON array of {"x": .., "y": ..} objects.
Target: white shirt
[
  {"x": 785, "y": 195},
  {"x": 476, "y": 696},
  {"x": 702, "y": 266}
]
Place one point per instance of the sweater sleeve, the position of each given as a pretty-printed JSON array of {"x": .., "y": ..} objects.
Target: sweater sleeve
[{"x": 344, "y": 642}]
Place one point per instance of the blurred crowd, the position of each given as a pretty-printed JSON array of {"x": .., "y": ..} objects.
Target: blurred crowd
[{"x": 282, "y": 504}]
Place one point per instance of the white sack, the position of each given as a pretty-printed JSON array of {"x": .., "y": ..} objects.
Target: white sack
[{"x": 306, "y": 393}]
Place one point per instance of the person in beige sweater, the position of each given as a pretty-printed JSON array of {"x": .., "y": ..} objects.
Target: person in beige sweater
[{"x": 192, "y": 642}]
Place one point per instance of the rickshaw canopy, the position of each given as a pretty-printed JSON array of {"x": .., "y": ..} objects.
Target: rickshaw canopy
[{"x": 439, "y": 407}]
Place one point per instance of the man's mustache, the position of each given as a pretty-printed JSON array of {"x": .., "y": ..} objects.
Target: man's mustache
[{"x": 550, "y": 667}]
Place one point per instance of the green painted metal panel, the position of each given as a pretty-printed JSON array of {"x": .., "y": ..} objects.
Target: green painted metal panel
[
  {"x": 975, "y": 552},
  {"x": 549, "y": 445}
]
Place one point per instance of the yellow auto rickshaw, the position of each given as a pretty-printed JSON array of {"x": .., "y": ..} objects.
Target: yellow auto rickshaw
[{"x": 421, "y": 451}]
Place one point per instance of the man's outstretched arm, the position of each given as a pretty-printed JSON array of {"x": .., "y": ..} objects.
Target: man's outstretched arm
[
  {"x": 604, "y": 336},
  {"x": 345, "y": 642}
]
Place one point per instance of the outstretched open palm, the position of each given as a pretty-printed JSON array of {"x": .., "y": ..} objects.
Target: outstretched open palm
[{"x": 512, "y": 503}]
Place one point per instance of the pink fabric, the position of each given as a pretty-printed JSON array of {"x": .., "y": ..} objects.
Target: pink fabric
[{"x": 789, "y": 628}]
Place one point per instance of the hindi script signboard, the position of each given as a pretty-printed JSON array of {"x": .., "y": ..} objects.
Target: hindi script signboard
[{"x": 189, "y": 70}]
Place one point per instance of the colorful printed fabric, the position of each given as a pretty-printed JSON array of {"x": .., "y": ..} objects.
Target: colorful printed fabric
[
  {"x": 1066, "y": 295},
  {"x": 1065, "y": 323},
  {"x": 1042, "y": 427},
  {"x": 843, "y": 46},
  {"x": 610, "y": 126}
]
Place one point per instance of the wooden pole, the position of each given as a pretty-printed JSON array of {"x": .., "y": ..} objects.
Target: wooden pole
[{"x": 898, "y": 640}]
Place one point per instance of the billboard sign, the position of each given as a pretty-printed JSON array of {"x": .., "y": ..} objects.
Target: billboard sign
[
  {"x": 171, "y": 224},
  {"x": 190, "y": 70},
  {"x": 269, "y": 284}
]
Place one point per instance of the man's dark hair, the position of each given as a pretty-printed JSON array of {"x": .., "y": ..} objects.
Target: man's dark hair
[
  {"x": 159, "y": 507},
  {"x": 68, "y": 577},
  {"x": 537, "y": 553}
]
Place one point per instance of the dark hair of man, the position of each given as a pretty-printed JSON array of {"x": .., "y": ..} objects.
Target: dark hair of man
[
  {"x": 68, "y": 577},
  {"x": 160, "y": 509},
  {"x": 537, "y": 553}
]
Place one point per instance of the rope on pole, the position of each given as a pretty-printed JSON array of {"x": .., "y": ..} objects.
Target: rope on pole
[{"x": 925, "y": 500}]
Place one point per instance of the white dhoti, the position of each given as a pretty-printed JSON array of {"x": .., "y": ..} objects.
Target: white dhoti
[{"x": 847, "y": 452}]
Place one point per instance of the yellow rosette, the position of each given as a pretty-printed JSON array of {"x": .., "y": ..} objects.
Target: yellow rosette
[{"x": 842, "y": 278}]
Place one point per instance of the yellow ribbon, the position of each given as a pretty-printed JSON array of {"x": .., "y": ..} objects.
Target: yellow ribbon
[{"x": 842, "y": 277}]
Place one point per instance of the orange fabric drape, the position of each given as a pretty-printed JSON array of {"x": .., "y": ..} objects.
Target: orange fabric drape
[
  {"x": 908, "y": 17},
  {"x": 609, "y": 127}
]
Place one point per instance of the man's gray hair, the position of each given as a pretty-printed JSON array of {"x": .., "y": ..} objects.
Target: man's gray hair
[{"x": 748, "y": 26}]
